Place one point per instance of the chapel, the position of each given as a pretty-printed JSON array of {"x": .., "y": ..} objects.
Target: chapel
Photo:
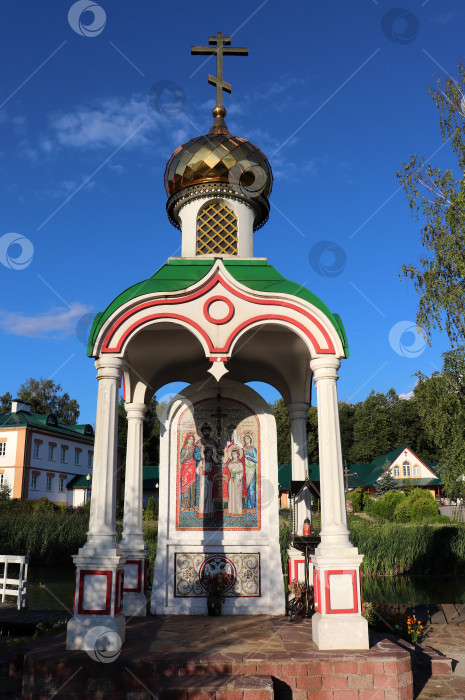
[{"x": 216, "y": 318}]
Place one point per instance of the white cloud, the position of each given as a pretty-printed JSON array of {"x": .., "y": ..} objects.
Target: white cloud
[
  {"x": 56, "y": 323},
  {"x": 107, "y": 125},
  {"x": 406, "y": 396}
]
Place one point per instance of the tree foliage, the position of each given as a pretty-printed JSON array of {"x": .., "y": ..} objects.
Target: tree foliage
[
  {"x": 5, "y": 402},
  {"x": 441, "y": 401},
  {"x": 387, "y": 483},
  {"x": 45, "y": 397},
  {"x": 437, "y": 198}
]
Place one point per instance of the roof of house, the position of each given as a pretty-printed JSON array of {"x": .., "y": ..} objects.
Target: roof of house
[
  {"x": 79, "y": 482},
  {"x": 362, "y": 475},
  {"x": 150, "y": 476},
  {"x": 178, "y": 274},
  {"x": 46, "y": 421}
]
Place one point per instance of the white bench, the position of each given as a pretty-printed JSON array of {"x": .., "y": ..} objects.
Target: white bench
[{"x": 19, "y": 584}]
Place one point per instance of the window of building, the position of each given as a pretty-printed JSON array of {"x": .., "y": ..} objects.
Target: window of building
[
  {"x": 37, "y": 449},
  {"x": 34, "y": 481},
  {"x": 61, "y": 484},
  {"x": 416, "y": 470},
  {"x": 216, "y": 230},
  {"x": 77, "y": 455},
  {"x": 397, "y": 470},
  {"x": 63, "y": 454},
  {"x": 89, "y": 458},
  {"x": 1, "y": 480},
  {"x": 2, "y": 448},
  {"x": 48, "y": 483},
  {"x": 406, "y": 469},
  {"x": 51, "y": 452}
]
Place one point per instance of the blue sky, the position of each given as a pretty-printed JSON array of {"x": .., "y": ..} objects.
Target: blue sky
[{"x": 335, "y": 93}]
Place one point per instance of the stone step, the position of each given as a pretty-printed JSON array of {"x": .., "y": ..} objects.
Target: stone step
[
  {"x": 215, "y": 687},
  {"x": 450, "y": 611}
]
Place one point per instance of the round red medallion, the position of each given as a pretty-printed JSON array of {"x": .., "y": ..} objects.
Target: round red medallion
[{"x": 218, "y": 310}]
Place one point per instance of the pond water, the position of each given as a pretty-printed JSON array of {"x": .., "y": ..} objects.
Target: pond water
[{"x": 52, "y": 588}]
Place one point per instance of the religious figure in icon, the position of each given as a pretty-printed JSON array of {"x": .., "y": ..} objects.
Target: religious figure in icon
[
  {"x": 250, "y": 461},
  {"x": 201, "y": 444},
  {"x": 236, "y": 488},
  {"x": 206, "y": 470},
  {"x": 188, "y": 473}
]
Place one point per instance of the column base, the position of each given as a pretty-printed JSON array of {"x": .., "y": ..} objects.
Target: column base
[
  {"x": 97, "y": 620},
  {"x": 96, "y": 633},
  {"x": 135, "y": 582},
  {"x": 135, "y": 604},
  {"x": 296, "y": 566},
  {"x": 340, "y": 632}
]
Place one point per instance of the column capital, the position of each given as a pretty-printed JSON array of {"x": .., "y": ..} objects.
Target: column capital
[
  {"x": 298, "y": 409},
  {"x": 135, "y": 410},
  {"x": 109, "y": 367},
  {"x": 325, "y": 367}
]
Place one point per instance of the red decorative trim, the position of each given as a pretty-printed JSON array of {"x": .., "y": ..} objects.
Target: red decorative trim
[
  {"x": 353, "y": 574},
  {"x": 119, "y": 591},
  {"x": 91, "y": 572},
  {"x": 316, "y": 589},
  {"x": 296, "y": 563},
  {"x": 218, "y": 321},
  {"x": 139, "y": 563},
  {"x": 204, "y": 289},
  {"x": 218, "y": 359}
]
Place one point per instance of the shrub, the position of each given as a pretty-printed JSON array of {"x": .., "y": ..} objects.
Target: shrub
[
  {"x": 384, "y": 507},
  {"x": 357, "y": 498},
  {"x": 43, "y": 505},
  {"x": 418, "y": 506},
  {"x": 151, "y": 512}
]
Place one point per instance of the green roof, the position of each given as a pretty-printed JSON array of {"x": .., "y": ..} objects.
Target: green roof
[
  {"x": 178, "y": 274},
  {"x": 150, "y": 476},
  {"x": 46, "y": 421},
  {"x": 79, "y": 482}
]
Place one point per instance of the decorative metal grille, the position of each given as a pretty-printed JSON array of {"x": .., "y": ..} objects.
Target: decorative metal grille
[{"x": 216, "y": 230}]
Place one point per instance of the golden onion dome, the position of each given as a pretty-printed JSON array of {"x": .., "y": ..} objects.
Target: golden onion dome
[{"x": 219, "y": 163}]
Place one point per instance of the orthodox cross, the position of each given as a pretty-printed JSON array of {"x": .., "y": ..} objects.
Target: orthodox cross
[
  {"x": 347, "y": 474},
  {"x": 217, "y": 413},
  {"x": 219, "y": 45}
]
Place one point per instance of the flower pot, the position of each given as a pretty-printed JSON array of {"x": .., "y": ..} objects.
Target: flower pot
[{"x": 214, "y": 604}]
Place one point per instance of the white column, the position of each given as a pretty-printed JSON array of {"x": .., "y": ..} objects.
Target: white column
[
  {"x": 299, "y": 455},
  {"x": 134, "y": 548},
  {"x": 337, "y": 622},
  {"x": 334, "y": 532},
  {"x": 98, "y": 593},
  {"x": 102, "y": 521}
]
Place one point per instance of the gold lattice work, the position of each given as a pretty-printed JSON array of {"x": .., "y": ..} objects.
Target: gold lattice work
[{"x": 216, "y": 230}]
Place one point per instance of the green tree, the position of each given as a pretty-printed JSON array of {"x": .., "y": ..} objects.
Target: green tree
[
  {"x": 283, "y": 431},
  {"x": 45, "y": 397},
  {"x": 437, "y": 198},
  {"x": 441, "y": 401},
  {"x": 5, "y": 402},
  {"x": 387, "y": 483}
]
